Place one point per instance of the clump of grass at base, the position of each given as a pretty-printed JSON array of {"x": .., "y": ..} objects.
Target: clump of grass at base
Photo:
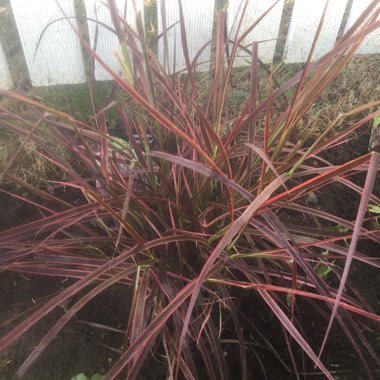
[
  {"x": 196, "y": 223},
  {"x": 30, "y": 167}
]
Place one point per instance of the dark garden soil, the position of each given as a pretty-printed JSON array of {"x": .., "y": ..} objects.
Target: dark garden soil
[{"x": 79, "y": 348}]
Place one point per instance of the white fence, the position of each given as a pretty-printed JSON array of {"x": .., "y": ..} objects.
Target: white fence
[{"x": 58, "y": 59}]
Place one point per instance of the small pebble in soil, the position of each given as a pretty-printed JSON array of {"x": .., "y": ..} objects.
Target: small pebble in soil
[{"x": 311, "y": 199}]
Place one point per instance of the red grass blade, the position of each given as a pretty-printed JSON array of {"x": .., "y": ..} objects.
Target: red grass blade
[
  {"x": 234, "y": 228},
  {"x": 8, "y": 339},
  {"x": 363, "y": 206}
]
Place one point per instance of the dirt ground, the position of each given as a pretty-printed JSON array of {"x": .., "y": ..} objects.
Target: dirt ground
[{"x": 80, "y": 348}]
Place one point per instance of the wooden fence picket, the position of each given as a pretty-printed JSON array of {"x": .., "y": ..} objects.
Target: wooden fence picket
[
  {"x": 103, "y": 40},
  {"x": 198, "y": 15},
  {"x": 267, "y": 29},
  {"x": 5, "y": 76},
  {"x": 58, "y": 57},
  {"x": 304, "y": 24},
  {"x": 371, "y": 44}
]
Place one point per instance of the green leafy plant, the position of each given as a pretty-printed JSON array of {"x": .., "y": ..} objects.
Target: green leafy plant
[
  {"x": 197, "y": 223},
  {"x": 375, "y": 211},
  {"x": 82, "y": 376},
  {"x": 375, "y": 139}
]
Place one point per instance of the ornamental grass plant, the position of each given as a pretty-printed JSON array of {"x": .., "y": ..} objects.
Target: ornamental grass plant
[{"x": 206, "y": 209}]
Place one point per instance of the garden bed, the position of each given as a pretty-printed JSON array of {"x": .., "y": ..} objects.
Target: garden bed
[{"x": 224, "y": 250}]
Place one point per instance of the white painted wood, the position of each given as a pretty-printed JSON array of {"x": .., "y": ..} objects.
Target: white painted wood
[
  {"x": 266, "y": 30},
  {"x": 103, "y": 40},
  {"x": 198, "y": 15},
  {"x": 58, "y": 59},
  {"x": 304, "y": 24},
  {"x": 371, "y": 44},
  {"x": 5, "y": 76}
]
